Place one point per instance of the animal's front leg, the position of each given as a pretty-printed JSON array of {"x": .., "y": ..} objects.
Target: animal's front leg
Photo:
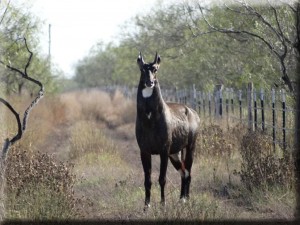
[
  {"x": 146, "y": 161},
  {"x": 162, "y": 175}
]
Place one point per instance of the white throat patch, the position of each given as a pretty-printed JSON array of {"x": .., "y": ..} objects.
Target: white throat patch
[
  {"x": 149, "y": 115},
  {"x": 147, "y": 92}
]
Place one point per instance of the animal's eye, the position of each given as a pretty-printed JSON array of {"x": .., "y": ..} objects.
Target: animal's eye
[{"x": 154, "y": 70}]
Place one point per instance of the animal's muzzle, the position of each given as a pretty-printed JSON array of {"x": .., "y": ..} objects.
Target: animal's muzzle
[{"x": 150, "y": 84}]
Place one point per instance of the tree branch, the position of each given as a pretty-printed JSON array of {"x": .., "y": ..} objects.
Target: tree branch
[
  {"x": 2, "y": 18},
  {"x": 18, "y": 135},
  {"x": 281, "y": 56},
  {"x": 21, "y": 127},
  {"x": 284, "y": 38}
]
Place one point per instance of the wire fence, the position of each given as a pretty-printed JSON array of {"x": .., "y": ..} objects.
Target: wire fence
[{"x": 269, "y": 111}]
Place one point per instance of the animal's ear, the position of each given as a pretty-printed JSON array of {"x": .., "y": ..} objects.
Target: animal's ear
[
  {"x": 140, "y": 61},
  {"x": 156, "y": 59}
]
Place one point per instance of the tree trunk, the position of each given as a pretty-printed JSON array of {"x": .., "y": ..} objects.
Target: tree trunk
[{"x": 2, "y": 184}]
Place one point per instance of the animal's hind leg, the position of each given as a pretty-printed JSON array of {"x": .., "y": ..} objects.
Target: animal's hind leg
[
  {"x": 188, "y": 162},
  {"x": 146, "y": 161},
  {"x": 180, "y": 167}
]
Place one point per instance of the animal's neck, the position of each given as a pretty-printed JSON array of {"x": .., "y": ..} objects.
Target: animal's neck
[{"x": 150, "y": 99}]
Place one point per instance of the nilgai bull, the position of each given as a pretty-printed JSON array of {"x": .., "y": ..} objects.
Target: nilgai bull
[{"x": 164, "y": 129}]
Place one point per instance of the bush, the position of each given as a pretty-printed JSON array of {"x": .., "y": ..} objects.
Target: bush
[
  {"x": 261, "y": 165},
  {"x": 212, "y": 141},
  {"x": 38, "y": 187}
]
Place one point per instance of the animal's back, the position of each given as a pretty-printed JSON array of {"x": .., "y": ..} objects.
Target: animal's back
[
  {"x": 183, "y": 112},
  {"x": 185, "y": 125}
]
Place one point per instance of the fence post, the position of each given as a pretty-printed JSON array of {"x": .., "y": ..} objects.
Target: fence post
[
  {"x": 232, "y": 105},
  {"x": 209, "y": 104},
  {"x": 240, "y": 103},
  {"x": 262, "y": 109},
  {"x": 227, "y": 101},
  {"x": 255, "y": 110},
  {"x": 274, "y": 119},
  {"x": 283, "y": 120},
  {"x": 176, "y": 95},
  {"x": 227, "y": 105},
  {"x": 216, "y": 111},
  {"x": 199, "y": 103},
  {"x": 203, "y": 102},
  {"x": 185, "y": 96},
  {"x": 194, "y": 101},
  {"x": 218, "y": 100},
  {"x": 220, "y": 103},
  {"x": 250, "y": 99}
]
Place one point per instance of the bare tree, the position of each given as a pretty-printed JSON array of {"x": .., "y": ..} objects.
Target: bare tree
[
  {"x": 20, "y": 124},
  {"x": 272, "y": 32}
]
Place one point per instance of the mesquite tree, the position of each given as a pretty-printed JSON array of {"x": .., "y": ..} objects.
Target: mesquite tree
[
  {"x": 270, "y": 24},
  {"x": 21, "y": 122}
]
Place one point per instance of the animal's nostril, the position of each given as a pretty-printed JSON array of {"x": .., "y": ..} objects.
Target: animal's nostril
[{"x": 149, "y": 83}]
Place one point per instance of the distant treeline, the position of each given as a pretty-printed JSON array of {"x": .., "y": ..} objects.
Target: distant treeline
[{"x": 202, "y": 45}]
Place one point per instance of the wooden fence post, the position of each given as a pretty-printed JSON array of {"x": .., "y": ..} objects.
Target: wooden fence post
[
  {"x": 262, "y": 109},
  {"x": 227, "y": 101},
  {"x": 240, "y": 103},
  {"x": 231, "y": 97},
  {"x": 227, "y": 105},
  {"x": 274, "y": 119},
  {"x": 250, "y": 99},
  {"x": 182, "y": 93},
  {"x": 220, "y": 103},
  {"x": 218, "y": 100},
  {"x": 199, "y": 102},
  {"x": 200, "y": 106},
  {"x": 209, "y": 104},
  {"x": 283, "y": 121},
  {"x": 194, "y": 99},
  {"x": 203, "y": 102},
  {"x": 255, "y": 110}
]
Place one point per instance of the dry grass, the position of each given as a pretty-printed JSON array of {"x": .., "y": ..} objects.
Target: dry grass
[
  {"x": 33, "y": 176},
  {"x": 37, "y": 187},
  {"x": 96, "y": 106},
  {"x": 96, "y": 133},
  {"x": 87, "y": 137},
  {"x": 231, "y": 159}
]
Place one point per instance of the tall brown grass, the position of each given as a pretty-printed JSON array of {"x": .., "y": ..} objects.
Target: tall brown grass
[
  {"x": 113, "y": 187},
  {"x": 38, "y": 185},
  {"x": 86, "y": 137},
  {"x": 96, "y": 105}
]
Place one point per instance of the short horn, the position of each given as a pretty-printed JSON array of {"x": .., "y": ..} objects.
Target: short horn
[
  {"x": 140, "y": 60},
  {"x": 156, "y": 59}
]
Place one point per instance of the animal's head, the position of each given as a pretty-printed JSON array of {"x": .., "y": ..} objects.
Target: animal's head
[{"x": 148, "y": 70}]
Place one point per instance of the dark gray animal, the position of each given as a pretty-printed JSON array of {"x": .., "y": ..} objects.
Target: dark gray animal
[{"x": 165, "y": 129}]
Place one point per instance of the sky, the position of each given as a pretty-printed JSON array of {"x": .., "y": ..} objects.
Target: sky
[{"x": 77, "y": 25}]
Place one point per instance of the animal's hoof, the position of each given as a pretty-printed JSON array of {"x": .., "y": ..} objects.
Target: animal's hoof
[
  {"x": 146, "y": 207},
  {"x": 163, "y": 203},
  {"x": 183, "y": 200}
]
